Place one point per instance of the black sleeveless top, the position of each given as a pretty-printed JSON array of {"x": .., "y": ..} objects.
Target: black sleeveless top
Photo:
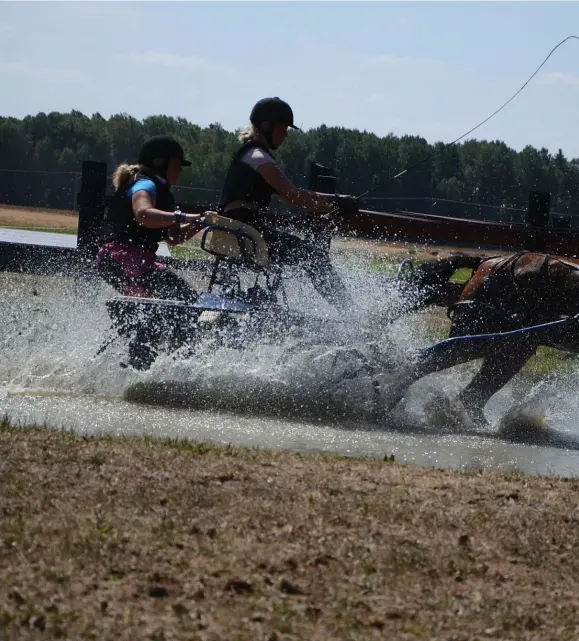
[
  {"x": 120, "y": 221},
  {"x": 244, "y": 183}
]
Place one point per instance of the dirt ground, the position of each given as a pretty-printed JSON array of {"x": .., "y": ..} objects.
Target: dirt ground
[
  {"x": 60, "y": 219},
  {"x": 37, "y": 218},
  {"x": 132, "y": 539},
  {"x": 402, "y": 250}
]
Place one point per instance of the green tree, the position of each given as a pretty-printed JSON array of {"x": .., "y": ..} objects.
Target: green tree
[{"x": 479, "y": 172}]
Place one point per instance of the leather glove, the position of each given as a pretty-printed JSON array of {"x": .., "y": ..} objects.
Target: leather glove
[{"x": 347, "y": 204}]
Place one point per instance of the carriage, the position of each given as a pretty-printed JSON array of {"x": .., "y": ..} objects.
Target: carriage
[{"x": 245, "y": 303}]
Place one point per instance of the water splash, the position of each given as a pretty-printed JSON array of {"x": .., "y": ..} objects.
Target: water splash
[{"x": 52, "y": 328}]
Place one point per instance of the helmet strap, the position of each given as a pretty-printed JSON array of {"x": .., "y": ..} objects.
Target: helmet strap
[
  {"x": 160, "y": 166},
  {"x": 267, "y": 132}
]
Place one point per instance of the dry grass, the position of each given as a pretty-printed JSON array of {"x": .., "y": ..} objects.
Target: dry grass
[
  {"x": 130, "y": 539},
  {"x": 399, "y": 251},
  {"x": 34, "y": 218}
]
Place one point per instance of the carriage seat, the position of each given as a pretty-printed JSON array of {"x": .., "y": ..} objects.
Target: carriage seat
[{"x": 233, "y": 240}]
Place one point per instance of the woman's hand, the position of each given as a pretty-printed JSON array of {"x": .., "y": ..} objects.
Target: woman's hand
[
  {"x": 182, "y": 232},
  {"x": 345, "y": 203}
]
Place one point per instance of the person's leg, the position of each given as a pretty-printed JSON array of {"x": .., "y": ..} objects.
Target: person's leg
[
  {"x": 111, "y": 271},
  {"x": 327, "y": 282},
  {"x": 166, "y": 284},
  {"x": 287, "y": 249},
  {"x": 171, "y": 326},
  {"x": 136, "y": 273}
]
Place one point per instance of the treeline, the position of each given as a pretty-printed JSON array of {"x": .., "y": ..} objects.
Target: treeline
[{"x": 490, "y": 174}]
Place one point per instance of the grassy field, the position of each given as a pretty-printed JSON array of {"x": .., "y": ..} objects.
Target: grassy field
[{"x": 136, "y": 539}]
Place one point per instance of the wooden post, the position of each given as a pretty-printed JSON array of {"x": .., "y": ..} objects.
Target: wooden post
[
  {"x": 561, "y": 221},
  {"x": 538, "y": 219},
  {"x": 91, "y": 205},
  {"x": 321, "y": 179}
]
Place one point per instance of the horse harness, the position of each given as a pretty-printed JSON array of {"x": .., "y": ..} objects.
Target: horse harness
[{"x": 520, "y": 302}]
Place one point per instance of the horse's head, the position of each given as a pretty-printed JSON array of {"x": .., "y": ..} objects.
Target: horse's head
[{"x": 427, "y": 284}]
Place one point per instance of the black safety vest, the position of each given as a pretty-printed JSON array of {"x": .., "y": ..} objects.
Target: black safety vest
[
  {"x": 120, "y": 221},
  {"x": 244, "y": 183}
]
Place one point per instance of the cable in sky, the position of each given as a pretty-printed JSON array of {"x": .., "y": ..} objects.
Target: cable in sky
[{"x": 435, "y": 153}]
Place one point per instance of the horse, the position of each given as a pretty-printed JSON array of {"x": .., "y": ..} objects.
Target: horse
[
  {"x": 427, "y": 284},
  {"x": 504, "y": 293}
]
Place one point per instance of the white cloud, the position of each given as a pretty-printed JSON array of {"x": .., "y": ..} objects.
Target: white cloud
[
  {"x": 390, "y": 60},
  {"x": 166, "y": 59},
  {"x": 98, "y": 9},
  {"x": 558, "y": 78},
  {"x": 170, "y": 61},
  {"x": 54, "y": 75}
]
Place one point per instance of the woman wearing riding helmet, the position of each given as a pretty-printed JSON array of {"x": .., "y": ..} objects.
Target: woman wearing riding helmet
[
  {"x": 254, "y": 176},
  {"x": 142, "y": 214}
]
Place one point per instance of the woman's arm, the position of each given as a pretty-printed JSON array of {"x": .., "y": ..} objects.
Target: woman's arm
[
  {"x": 147, "y": 215},
  {"x": 310, "y": 200}
]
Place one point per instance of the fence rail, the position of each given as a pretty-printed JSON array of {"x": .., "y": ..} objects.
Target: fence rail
[
  {"x": 58, "y": 190},
  {"x": 535, "y": 232}
]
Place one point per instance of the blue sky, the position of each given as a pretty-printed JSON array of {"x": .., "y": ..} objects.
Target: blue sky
[{"x": 429, "y": 68}]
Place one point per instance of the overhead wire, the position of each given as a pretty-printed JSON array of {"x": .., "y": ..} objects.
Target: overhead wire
[{"x": 480, "y": 124}]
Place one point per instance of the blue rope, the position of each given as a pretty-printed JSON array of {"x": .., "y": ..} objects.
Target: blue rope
[{"x": 494, "y": 338}]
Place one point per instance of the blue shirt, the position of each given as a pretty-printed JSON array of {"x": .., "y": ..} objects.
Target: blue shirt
[{"x": 145, "y": 184}]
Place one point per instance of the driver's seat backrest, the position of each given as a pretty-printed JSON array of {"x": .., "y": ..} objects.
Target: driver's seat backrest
[{"x": 227, "y": 244}]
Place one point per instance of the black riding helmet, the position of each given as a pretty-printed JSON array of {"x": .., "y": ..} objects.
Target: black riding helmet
[
  {"x": 158, "y": 151},
  {"x": 276, "y": 110}
]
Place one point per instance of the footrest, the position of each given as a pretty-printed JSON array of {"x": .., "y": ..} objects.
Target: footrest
[
  {"x": 217, "y": 303},
  {"x": 210, "y": 318}
]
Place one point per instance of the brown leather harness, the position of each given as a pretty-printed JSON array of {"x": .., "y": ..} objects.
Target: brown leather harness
[{"x": 504, "y": 300}]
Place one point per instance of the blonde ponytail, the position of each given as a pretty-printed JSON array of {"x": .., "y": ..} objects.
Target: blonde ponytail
[
  {"x": 247, "y": 134},
  {"x": 125, "y": 173}
]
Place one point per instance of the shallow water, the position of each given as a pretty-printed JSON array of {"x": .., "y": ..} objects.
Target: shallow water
[{"x": 315, "y": 399}]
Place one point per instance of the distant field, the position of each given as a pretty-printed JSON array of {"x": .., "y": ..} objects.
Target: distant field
[{"x": 31, "y": 218}]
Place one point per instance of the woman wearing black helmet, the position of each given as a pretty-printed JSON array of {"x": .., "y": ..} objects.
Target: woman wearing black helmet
[
  {"x": 254, "y": 176},
  {"x": 141, "y": 215}
]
